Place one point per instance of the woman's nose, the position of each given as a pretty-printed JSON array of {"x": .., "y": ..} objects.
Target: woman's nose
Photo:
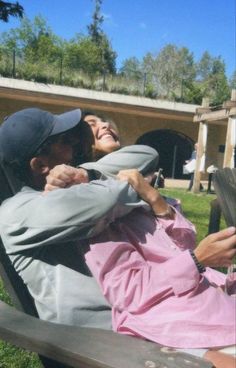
[{"x": 105, "y": 124}]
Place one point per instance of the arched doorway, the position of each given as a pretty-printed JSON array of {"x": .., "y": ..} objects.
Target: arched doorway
[{"x": 173, "y": 147}]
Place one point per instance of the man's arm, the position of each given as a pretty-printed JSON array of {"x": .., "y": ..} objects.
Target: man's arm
[
  {"x": 78, "y": 212},
  {"x": 32, "y": 219}
]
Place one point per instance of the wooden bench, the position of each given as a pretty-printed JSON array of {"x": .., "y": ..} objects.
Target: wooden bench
[
  {"x": 68, "y": 346},
  {"x": 215, "y": 217},
  {"x": 225, "y": 204}
]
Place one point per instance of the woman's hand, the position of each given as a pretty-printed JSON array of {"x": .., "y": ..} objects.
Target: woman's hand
[
  {"x": 139, "y": 183},
  {"x": 146, "y": 191},
  {"x": 64, "y": 176}
]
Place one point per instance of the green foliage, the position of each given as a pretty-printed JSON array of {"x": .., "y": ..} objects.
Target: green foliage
[
  {"x": 34, "y": 40},
  {"x": 150, "y": 91},
  {"x": 83, "y": 54},
  {"x": 232, "y": 82},
  {"x": 33, "y": 52},
  {"x": 171, "y": 73},
  {"x": 106, "y": 55},
  {"x": 204, "y": 66},
  {"x": 173, "y": 66},
  {"x": 212, "y": 79},
  {"x": 132, "y": 69},
  {"x": 95, "y": 28},
  {"x": 8, "y": 9}
]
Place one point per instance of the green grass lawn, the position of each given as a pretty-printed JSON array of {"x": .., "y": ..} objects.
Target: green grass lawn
[
  {"x": 196, "y": 208},
  {"x": 10, "y": 356}
]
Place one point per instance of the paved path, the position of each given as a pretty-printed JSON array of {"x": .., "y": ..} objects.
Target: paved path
[{"x": 178, "y": 183}]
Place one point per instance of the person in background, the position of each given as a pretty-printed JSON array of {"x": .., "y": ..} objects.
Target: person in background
[
  {"x": 210, "y": 170},
  {"x": 193, "y": 158}
]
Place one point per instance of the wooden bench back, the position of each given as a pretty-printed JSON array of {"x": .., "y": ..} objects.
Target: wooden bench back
[
  {"x": 12, "y": 281},
  {"x": 225, "y": 187}
]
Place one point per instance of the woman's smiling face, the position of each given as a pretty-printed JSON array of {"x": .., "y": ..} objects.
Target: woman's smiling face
[{"x": 105, "y": 133}]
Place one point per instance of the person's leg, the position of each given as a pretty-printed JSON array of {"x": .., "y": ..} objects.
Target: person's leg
[
  {"x": 209, "y": 183},
  {"x": 219, "y": 359},
  {"x": 191, "y": 182},
  {"x": 231, "y": 350}
]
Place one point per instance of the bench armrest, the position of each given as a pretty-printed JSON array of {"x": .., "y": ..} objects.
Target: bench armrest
[{"x": 87, "y": 347}]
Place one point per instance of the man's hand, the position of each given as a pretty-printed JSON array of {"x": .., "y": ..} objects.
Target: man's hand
[
  {"x": 218, "y": 249},
  {"x": 64, "y": 176}
]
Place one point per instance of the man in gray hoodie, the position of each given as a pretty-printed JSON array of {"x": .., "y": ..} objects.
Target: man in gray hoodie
[{"x": 42, "y": 233}]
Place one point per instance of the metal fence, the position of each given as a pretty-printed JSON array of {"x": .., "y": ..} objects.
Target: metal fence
[{"x": 13, "y": 65}]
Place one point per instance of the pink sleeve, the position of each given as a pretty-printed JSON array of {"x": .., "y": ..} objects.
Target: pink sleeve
[
  {"x": 215, "y": 277},
  {"x": 130, "y": 282}
]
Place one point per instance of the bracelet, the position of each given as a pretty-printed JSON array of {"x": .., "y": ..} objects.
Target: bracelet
[
  {"x": 200, "y": 266},
  {"x": 167, "y": 213}
]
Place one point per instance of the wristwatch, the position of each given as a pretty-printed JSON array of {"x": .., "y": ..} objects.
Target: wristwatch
[{"x": 200, "y": 266}]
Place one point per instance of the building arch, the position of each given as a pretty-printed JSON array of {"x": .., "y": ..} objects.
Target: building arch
[{"x": 173, "y": 147}]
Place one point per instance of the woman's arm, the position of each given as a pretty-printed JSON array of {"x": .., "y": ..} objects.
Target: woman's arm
[
  {"x": 131, "y": 281},
  {"x": 143, "y": 158},
  {"x": 140, "y": 157}
]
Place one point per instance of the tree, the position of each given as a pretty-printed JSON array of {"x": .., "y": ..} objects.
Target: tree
[
  {"x": 132, "y": 68},
  {"x": 232, "y": 82},
  {"x": 34, "y": 41},
  {"x": 204, "y": 66},
  {"x": 99, "y": 38},
  {"x": 10, "y": 9},
  {"x": 186, "y": 70},
  {"x": 82, "y": 53},
  {"x": 212, "y": 79},
  {"x": 218, "y": 83},
  {"x": 152, "y": 85},
  {"x": 95, "y": 28},
  {"x": 174, "y": 71},
  {"x": 34, "y": 50}
]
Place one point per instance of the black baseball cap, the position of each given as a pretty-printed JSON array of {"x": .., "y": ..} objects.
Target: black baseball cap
[{"x": 23, "y": 133}]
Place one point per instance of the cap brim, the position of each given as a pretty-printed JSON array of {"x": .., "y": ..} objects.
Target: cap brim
[{"x": 66, "y": 121}]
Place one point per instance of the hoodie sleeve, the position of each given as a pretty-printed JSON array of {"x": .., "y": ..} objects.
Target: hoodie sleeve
[{"x": 140, "y": 157}]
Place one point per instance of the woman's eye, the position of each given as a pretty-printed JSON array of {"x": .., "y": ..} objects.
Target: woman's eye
[{"x": 91, "y": 123}]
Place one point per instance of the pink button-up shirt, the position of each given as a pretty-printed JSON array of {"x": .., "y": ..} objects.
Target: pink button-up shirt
[{"x": 147, "y": 274}]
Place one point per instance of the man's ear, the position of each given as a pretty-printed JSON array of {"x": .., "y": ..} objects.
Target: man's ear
[{"x": 40, "y": 165}]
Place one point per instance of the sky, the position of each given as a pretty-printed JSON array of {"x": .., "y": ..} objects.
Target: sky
[{"x": 136, "y": 27}]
